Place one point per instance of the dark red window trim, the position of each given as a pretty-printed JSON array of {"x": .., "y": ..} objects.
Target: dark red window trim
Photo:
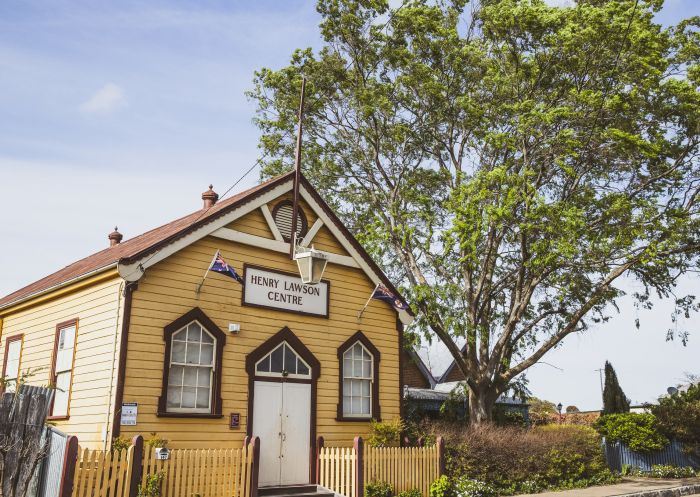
[
  {"x": 376, "y": 411},
  {"x": 52, "y": 374},
  {"x": 195, "y": 314},
  {"x": 8, "y": 341}
]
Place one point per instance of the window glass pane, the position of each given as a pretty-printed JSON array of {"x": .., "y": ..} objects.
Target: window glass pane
[
  {"x": 10, "y": 386},
  {"x": 365, "y": 405},
  {"x": 366, "y": 369},
  {"x": 276, "y": 360},
  {"x": 207, "y": 355},
  {"x": 365, "y": 387},
  {"x": 181, "y": 335},
  {"x": 189, "y": 397},
  {"x": 66, "y": 338},
  {"x": 264, "y": 365},
  {"x": 175, "y": 376},
  {"x": 347, "y": 366},
  {"x": 194, "y": 332},
  {"x": 13, "y": 350},
  {"x": 358, "y": 368},
  {"x": 356, "y": 406},
  {"x": 204, "y": 377},
  {"x": 178, "y": 352},
  {"x": 206, "y": 337},
  {"x": 192, "y": 353},
  {"x": 62, "y": 391},
  {"x": 174, "y": 396},
  {"x": 347, "y": 404},
  {"x": 290, "y": 360},
  {"x": 202, "y": 398},
  {"x": 190, "y": 377},
  {"x": 356, "y": 387},
  {"x": 301, "y": 368}
]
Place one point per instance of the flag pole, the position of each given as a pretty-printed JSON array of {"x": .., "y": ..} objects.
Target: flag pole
[
  {"x": 297, "y": 173},
  {"x": 359, "y": 315},
  {"x": 199, "y": 287}
]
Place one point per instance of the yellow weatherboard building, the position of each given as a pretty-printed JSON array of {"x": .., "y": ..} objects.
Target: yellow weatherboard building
[{"x": 136, "y": 343}]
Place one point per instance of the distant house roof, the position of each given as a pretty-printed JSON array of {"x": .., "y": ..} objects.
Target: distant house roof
[
  {"x": 422, "y": 368},
  {"x": 135, "y": 249},
  {"x": 442, "y": 395}
]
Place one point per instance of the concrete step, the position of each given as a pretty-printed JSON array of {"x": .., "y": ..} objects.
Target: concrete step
[{"x": 294, "y": 491}]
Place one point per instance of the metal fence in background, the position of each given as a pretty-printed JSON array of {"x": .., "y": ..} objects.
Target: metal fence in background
[
  {"x": 618, "y": 454},
  {"x": 52, "y": 470}
]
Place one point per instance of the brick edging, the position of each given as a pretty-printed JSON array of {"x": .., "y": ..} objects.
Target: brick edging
[{"x": 666, "y": 492}]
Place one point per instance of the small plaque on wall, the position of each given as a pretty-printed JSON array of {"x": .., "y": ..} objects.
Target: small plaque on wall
[
  {"x": 130, "y": 411},
  {"x": 235, "y": 421}
]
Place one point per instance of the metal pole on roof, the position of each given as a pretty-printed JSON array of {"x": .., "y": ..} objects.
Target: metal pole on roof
[{"x": 297, "y": 173}]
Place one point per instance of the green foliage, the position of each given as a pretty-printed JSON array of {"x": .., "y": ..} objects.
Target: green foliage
[
  {"x": 614, "y": 399},
  {"x": 467, "y": 487},
  {"x": 379, "y": 489},
  {"x": 150, "y": 486},
  {"x": 155, "y": 441},
  {"x": 678, "y": 417},
  {"x": 541, "y": 411},
  {"x": 639, "y": 431},
  {"x": 120, "y": 443},
  {"x": 507, "y": 162},
  {"x": 517, "y": 460},
  {"x": 669, "y": 471},
  {"x": 385, "y": 433},
  {"x": 504, "y": 416},
  {"x": 414, "y": 492},
  {"x": 442, "y": 487}
]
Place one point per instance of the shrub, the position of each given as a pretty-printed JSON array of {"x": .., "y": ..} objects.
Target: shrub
[
  {"x": 514, "y": 459},
  {"x": 678, "y": 417},
  {"x": 669, "y": 471},
  {"x": 442, "y": 487},
  {"x": 467, "y": 487},
  {"x": 414, "y": 492},
  {"x": 639, "y": 431},
  {"x": 156, "y": 441},
  {"x": 385, "y": 433},
  {"x": 379, "y": 489},
  {"x": 120, "y": 443},
  {"x": 150, "y": 487}
]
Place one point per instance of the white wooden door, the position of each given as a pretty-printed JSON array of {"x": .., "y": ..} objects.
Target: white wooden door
[
  {"x": 267, "y": 424},
  {"x": 296, "y": 426},
  {"x": 282, "y": 420}
]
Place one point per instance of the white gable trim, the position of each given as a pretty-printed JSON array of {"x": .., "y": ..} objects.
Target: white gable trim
[
  {"x": 312, "y": 233},
  {"x": 134, "y": 271},
  {"x": 271, "y": 223}
]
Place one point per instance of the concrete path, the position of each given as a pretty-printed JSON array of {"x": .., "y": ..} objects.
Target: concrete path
[{"x": 636, "y": 487}]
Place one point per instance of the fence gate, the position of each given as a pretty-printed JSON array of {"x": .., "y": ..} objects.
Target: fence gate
[{"x": 53, "y": 464}]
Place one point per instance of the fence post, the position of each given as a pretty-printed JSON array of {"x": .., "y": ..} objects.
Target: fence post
[
  {"x": 320, "y": 443},
  {"x": 255, "y": 469},
  {"x": 136, "y": 465},
  {"x": 70, "y": 459},
  {"x": 359, "y": 447},
  {"x": 441, "y": 455}
]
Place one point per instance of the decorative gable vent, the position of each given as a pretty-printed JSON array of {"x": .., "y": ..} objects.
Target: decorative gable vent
[{"x": 282, "y": 214}]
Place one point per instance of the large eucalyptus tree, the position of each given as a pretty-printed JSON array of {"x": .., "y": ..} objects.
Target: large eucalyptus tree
[{"x": 507, "y": 161}]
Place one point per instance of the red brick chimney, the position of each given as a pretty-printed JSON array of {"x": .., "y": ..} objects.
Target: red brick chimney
[
  {"x": 115, "y": 237},
  {"x": 209, "y": 197}
]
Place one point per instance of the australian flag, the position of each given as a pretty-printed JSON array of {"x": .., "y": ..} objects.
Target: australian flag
[
  {"x": 219, "y": 265},
  {"x": 383, "y": 293}
]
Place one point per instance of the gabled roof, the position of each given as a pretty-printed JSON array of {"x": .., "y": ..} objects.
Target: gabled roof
[
  {"x": 135, "y": 249},
  {"x": 443, "y": 377},
  {"x": 421, "y": 366}
]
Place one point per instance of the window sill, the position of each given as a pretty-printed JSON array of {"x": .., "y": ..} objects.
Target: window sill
[
  {"x": 363, "y": 419},
  {"x": 196, "y": 415},
  {"x": 58, "y": 418}
]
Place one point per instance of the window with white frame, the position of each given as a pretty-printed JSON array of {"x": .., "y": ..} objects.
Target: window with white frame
[
  {"x": 358, "y": 375},
  {"x": 13, "y": 355},
  {"x": 283, "y": 361},
  {"x": 191, "y": 373},
  {"x": 63, "y": 368}
]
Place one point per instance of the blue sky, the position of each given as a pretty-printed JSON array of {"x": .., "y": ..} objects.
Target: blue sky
[{"x": 121, "y": 113}]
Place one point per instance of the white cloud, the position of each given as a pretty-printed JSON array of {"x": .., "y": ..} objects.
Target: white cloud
[
  {"x": 560, "y": 3},
  {"x": 107, "y": 99}
]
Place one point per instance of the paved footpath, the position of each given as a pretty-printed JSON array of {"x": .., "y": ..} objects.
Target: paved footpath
[{"x": 633, "y": 487}]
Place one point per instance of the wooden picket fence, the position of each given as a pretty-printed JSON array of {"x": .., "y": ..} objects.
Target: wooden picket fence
[
  {"x": 405, "y": 468},
  {"x": 346, "y": 470},
  {"x": 206, "y": 472},
  {"x": 187, "y": 472},
  {"x": 336, "y": 467},
  {"x": 101, "y": 474}
]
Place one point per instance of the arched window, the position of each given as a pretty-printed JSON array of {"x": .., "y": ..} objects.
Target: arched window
[
  {"x": 192, "y": 367},
  {"x": 359, "y": 379},
  {"x": 283, "y": 361}
]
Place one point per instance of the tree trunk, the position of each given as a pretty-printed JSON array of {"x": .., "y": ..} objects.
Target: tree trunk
[{"x": 481, "y": 403}]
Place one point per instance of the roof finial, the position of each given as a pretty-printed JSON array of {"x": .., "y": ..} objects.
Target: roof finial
[
  {"x": 210, "y": 197},
  {"x": 115, "y": 237}
]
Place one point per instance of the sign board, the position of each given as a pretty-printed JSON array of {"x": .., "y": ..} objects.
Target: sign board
[
  {"x": 274, "y": 289},
  {"x": 129, "y": 412},
  {"x": 235, "y": 421}
]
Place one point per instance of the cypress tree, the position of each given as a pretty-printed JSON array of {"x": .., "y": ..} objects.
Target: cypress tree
[{"x": 614, "y": 399}]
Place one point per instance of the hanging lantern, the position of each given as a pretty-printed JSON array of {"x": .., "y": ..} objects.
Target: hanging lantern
[{"x": 312, "y": 264}]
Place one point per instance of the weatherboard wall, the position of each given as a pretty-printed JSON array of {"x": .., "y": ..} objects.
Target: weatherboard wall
[{"x": 167, "y": 291}]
